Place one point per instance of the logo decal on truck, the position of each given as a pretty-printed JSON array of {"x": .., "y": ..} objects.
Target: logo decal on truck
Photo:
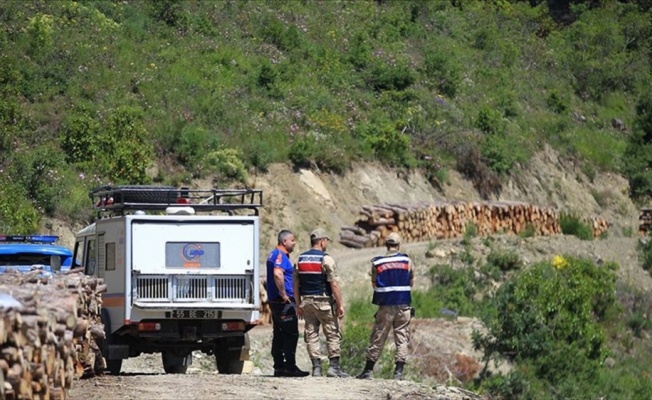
[{"x": 191, "y": 253}]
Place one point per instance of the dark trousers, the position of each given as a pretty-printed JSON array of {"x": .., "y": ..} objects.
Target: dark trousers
[{"x": 286, "y": 333}]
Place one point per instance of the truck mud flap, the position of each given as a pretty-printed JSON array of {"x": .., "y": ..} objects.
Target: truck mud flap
[{"x": 118, "y": 352}]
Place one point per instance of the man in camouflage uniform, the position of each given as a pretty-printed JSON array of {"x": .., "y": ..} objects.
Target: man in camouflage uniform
[
  {"x": 392, "y": 279},
  {"x": 319, "y": 301}
]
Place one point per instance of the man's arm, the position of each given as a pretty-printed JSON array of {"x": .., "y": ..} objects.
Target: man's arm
[
  {"x": 411, "y": 272},
  {"x": 279, "y": 280},
  {"x": 297, "y": 294},
  {"x": 330, "y": 269},
  {"x": 337, "y": 295}
]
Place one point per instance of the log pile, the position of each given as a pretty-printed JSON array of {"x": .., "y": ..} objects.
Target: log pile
[
  {"x": 48, "y": 332},
  {"x": 427, "y": 221},
  {"x": 265, "y": 309},
  {"x": 598, "y": 225},
  {"x": 645, "y": 228}
]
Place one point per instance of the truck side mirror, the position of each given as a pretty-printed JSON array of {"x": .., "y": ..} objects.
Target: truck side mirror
[{"x": 55, "y": 263}]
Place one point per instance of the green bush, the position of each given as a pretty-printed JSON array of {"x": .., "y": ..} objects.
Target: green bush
[
  {"x": 40, "y": 172},
  {"x": 547, "y": 319},
  {"x": 529, "y": 231},
  {"x": 387, "y": 142},
  {"x": 390, "y": 77},
  {"x": 490, "y": 121},
  {"x": 557, "y": 102},
  {"x": 470, "y": 231},
  {"x": 646, "y": 254},
  {"x": 505, "y": 260},
  {"x": 450, "y": 289},
  {"x": 17, "y": 214},
  {"x": 79, "y": 138},
  {"x": 193, "y": 145},
  {"x": 571, "y": 224},
  {"x": 638, "y": 154},
  {"x": 225, "y": 163},
  {"x": 441, "y": 69}
]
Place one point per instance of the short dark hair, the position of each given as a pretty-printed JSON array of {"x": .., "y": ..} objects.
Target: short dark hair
[{"x": 282, "y": 235}]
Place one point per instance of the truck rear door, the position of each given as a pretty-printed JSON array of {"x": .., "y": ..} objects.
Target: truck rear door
[{"x": 194, "y": 261}]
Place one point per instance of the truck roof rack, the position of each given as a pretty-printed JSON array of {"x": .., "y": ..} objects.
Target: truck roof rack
[{"x": 119, "y": 199}]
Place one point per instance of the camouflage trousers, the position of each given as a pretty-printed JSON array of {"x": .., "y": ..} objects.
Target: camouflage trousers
[
  {"x": 396, "y": 318},
  {"x": 318, "y": 311}
]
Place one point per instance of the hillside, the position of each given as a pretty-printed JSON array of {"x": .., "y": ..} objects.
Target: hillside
[{"x": 102, "y": 92}]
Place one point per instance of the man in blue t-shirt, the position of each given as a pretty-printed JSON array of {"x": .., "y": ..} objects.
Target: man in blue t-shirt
[{"x": 281, "y": 300}]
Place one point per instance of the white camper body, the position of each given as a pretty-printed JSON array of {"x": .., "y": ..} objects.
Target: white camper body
[{"x": 178, "y": 278}]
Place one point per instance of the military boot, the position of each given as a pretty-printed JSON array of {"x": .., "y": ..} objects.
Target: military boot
[
  {"x": 368, "y": 370},
  {"x": 334, "y": 370},
  {"x": 398, "y": 372},
  {"x": 316, "y": 367}
]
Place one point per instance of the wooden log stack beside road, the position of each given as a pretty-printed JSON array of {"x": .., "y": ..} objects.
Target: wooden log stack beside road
[
  {"x": 645, "y": 227},
  {"x": 48, "y": 332},
  {"x": 441, "y": 220}
]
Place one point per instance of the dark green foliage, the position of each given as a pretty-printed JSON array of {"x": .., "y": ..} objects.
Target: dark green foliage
[
  {"x": 558, "y": 102},
  {"x": 40, "y": 172},
  {"x": 490, "y": 121},
  {"x": 548, "y": 320},
  {"x": 639, "y": 150},
  {"x": 390, "y": 77},
  {"x": 451, "y": 289},
  {"x": 571, "y": 224},
  {"x": 193, "y": 144},
  {"x": 645, "y": 249},
  {"x": 443, "y": 71},
  {"x": 17, "y": 215},
  {"x": 529, "y": 231},
  {"x": 505, "y": 260}
]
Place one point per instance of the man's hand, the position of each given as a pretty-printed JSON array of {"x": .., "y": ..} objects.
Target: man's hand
[
  {"x": 285, "y": 298},
  {"x": 340, "y": 312},
  {"x": 299, "y": 312}
]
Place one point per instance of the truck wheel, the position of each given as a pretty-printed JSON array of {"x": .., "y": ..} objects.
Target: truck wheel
[
  {"x": 228, "y": 362},
  {"x": 112, "y": 366},
  {"x": 175, "y": 364}
]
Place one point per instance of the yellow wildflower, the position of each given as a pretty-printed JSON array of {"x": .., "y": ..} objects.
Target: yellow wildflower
[{"x": 559, "y": 262}]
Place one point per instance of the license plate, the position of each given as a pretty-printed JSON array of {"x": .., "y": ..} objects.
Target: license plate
[{"x": 193, "y": 314}]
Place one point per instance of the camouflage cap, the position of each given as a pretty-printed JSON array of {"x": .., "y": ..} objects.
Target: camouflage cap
[
  {"x": 319, "y": 234},
  {"x": 393, "y": 239}
]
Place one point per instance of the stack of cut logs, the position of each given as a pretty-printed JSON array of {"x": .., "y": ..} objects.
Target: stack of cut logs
[
  {"x": 645, "y": 227},
  {"x": 448, "y": 220},
  {"x": 265, "y": 310},
  {"x": 48, "y": 332},
  {"x": 599, "y": 225}
]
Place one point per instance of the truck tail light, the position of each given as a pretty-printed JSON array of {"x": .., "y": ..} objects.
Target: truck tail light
[
  {"x": 233, "y": 326},
  {"x": 149, "y": 326}
]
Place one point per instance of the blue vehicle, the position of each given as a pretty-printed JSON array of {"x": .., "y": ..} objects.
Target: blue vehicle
[{"x": 26, "y": 253}]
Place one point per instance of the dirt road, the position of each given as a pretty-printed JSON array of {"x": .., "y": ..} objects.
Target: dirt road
[{"x": 210, "y": 386}]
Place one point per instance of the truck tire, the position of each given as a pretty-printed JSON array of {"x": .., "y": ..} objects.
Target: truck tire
[
  {"x": 146, "y": 194},
  {"x": 175, "y": 364},
  {"x": 228, "y": 362},
  {"x": 112, "y": 366}
]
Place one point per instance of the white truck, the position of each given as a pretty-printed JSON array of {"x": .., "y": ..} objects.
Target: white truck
[{"x": 181, "y": 266}]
